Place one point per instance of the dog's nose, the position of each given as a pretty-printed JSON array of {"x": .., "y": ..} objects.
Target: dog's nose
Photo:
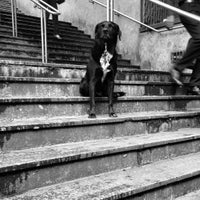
[{"x": 105, "y": 30}]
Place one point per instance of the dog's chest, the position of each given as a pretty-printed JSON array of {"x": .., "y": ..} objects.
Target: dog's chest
[{"x": 105, "y": 63}]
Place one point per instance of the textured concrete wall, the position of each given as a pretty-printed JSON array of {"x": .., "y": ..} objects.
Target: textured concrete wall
[
  {"x": 86, "y": 15},
  {"x": 155, "y": 49}
]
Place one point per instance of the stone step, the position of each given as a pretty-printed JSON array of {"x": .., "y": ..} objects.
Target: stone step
[
  {"x": 6, "y": 6},
  {"x": 33, "y": 59},
  {"x": 20, "y": 52},
  {"x": 14, "y": 108},
  {"x": 37, "y": 42},
  {"x": 64, "y": 28},
  {"x": 60, "y": 57},
  {"x": 51, "y": 47},
  {"x": 29, "y": 19},
  {"x": 21, "y": 45},
  {"x": 40, "y": 70},
  {"x": 35, "y": 51},
  {"x": 25, "y": 132},
  {"x": 68, "y": 31},
  {"x": 165, "y": 179},
  {"x": 30, "y": 34},
  {"x": 52, "y": 70},
  {"x": 64, "y": 161},
  {"x": 191, "y": 196},
  {"x": 57, "y": 56},
  {"x": 59, "y": 87}
]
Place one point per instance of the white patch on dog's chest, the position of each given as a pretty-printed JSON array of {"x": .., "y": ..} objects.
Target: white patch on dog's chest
[{"x": 105, "y": 62}]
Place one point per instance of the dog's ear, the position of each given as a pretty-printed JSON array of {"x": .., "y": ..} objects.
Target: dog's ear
[
  {"x": 97, "y": 30},
  {"x": 119, "y": 34},
  {"x": 118, "y": 31}
]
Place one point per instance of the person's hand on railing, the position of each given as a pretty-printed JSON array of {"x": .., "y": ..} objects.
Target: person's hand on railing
[{"x": 169, "y": 22}]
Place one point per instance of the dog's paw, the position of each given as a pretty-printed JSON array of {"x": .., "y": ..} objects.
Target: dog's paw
[
  {"x": 113, "y": 115},
  {"x": 119, "y": 94},
  {"x": 92, "y": 115}
]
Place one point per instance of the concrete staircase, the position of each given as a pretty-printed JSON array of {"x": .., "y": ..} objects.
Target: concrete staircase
[{"x": 51, "y": 150}]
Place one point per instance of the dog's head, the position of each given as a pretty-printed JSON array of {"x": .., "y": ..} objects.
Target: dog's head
[{"x": 108, "y": 31}]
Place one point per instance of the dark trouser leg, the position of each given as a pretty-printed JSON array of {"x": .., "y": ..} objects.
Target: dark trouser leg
[
  {"x": 193, "y": 27},
  {"x": 55, "y": 17},
  {"x": 195, "y": 77},
  {"x": 55, "y": 22}
]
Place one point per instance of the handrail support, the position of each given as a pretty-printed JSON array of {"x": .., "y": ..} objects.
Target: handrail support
[
  {"x": 110, "y": 10},
  {"x": 44, "y": 36},
  {"x": 14, "y": 17}
]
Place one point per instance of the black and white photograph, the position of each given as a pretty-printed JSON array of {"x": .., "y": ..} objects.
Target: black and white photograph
[{"x": 99, "y": 99}]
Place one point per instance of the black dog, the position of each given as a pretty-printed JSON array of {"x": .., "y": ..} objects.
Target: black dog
[{"x": 102, "y": 67}]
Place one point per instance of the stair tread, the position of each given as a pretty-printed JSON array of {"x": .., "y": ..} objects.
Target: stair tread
[
  {"x": 49, "y": 122},
  {"x": 31, "y": 63},
  {"x": 121, "y": 183},
  {"x": 77, "y": 80},
  {"x": 40, "y": 156},
  {"x": 36, "y": 64},
  {"x": 83, "y": 99},
  {"x": 191, "y": 196},
  {"x": 33, "y": 41}
]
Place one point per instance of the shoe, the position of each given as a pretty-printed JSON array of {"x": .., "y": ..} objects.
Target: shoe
[
  {"x": 118, "y": 94},
  {"x": 57, "y": 37},
  {"x": 176, "y": 76},
  {"x": 194, "y": 90}
]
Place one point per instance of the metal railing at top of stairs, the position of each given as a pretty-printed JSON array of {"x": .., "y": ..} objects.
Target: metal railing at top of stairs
[
  {"x": 44, "y": 8},
  {"x": 111, "y": 10}
]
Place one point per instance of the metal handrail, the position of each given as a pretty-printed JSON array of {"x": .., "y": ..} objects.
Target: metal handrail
[
  {"x": 45, "y": 7},
  {"x": 14, "y": 17},
  {"x": 124, "y": 15},
  {"x": 179, "y": 11},
  {"x": 110, "y": 8},
  {"x": 176, "y": 10},
  {"x": 41, "y": 4}
]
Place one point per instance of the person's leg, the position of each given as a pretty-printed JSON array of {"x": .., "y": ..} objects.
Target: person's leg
[
  {"x": 55, "y": 22},
  {"x": 194, "y": 85},
  {"x": 55, "y": 19},
  {"x": 193, "y": 48}
]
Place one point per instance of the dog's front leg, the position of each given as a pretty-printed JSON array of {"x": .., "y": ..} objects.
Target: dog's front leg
[
  {"x": 92, "y": 85},
  {"x": 111, "y": 111}
]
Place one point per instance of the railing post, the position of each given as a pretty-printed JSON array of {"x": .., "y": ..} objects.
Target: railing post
[
  {"x": 110, "y": 10},
  {"x": 44, "y": 36},
  {"x": 14, "y": 17}
]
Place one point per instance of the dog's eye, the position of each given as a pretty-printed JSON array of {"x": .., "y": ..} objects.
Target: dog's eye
[{"x": 103, "y": 25}]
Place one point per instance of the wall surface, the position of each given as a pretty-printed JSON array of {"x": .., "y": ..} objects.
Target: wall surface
[
  {"x": 151, "y": 50},
  {"x": 155, "y": 48}
]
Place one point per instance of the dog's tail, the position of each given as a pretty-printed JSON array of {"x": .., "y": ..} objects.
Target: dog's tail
[{"x": 118, "y": 94}]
